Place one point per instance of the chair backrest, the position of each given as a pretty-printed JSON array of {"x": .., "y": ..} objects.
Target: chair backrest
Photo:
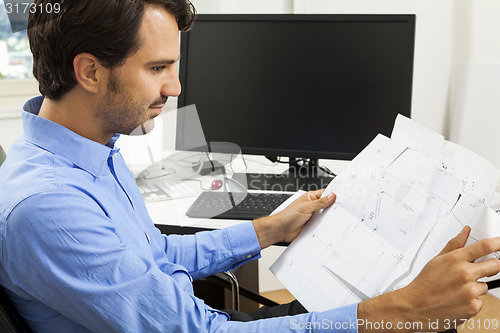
[
  {"x": 10, "y": 320},
  {"x": 2, "y": 155}
]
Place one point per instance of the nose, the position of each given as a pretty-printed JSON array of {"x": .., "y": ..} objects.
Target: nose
[{"x": 172, "y": 86}]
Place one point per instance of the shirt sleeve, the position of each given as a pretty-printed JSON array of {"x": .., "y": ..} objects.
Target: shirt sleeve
[
  {"x": 210, "y": 252},
  {"x": 342, "y": 319},
  {"x": 70, "y": 262}
]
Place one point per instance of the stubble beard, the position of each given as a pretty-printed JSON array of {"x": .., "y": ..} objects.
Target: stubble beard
[{"x": 118, "y": 112}]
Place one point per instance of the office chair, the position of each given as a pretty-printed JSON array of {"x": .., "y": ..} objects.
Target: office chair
[
  {"x": 229, "y": 281},
  {"x": 2, "y": 155},
  {"x": 10, "y": 320}
]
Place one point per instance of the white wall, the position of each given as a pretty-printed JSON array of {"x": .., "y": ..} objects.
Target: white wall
[
  {"x": 484, "y": 30},
  {"x": 243, "y": 6},
  {"x": 474, "y": 114},
  {"x": 10, "y": 129},
  {"x": 13, "y": 95}
]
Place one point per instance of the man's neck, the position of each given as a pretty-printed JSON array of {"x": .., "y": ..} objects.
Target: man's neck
[{"x": 76, "y": 113}]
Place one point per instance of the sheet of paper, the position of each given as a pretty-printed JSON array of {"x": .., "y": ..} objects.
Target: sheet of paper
[
  {"x": 288, "y": 201},
  {"x": 398, "y": 203}
]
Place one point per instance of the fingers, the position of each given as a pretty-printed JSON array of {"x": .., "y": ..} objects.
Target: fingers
[
  {"x": 481, "y": 248},
  {"x": 474, "y": 251},
  {"x": 457, "y": 242},
  {"x": 314, "y": 195},
  {"x": 482, "y": 288},
  {"x": 316, "y": 202},
  {"x": 487, "y": 268},
  {"x": 477, "y": 306},
  {"x": 324, "y": 202}
]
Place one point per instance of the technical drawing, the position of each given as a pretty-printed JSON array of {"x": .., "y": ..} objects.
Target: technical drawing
[{"x": 398, "y": 204}]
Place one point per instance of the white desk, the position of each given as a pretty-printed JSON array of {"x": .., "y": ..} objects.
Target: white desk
[
  {"x": 170, "y": 216},
  {"x": 173, "y": 212}
]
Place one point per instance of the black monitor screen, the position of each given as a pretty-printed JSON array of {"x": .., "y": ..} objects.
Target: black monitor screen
[{"x": 313, "y": 86}]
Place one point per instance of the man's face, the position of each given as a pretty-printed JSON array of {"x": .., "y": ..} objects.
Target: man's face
[{"x": 137, "y": 91}]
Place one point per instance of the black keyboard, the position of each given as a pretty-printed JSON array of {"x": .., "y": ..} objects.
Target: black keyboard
[{"x": 236, "y": 205}]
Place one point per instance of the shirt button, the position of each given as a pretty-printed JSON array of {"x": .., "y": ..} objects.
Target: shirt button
[{"x": 249, "y": 256}]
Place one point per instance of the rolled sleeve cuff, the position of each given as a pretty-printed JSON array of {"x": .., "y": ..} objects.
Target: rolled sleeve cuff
[
  {"x": 344, "y": 319},
  {"x": 243, "y": 242}
]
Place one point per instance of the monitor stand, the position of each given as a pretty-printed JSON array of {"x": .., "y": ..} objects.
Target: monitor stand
[
  {"x": 307, "y": 176},
  {"x": 308, "y": 169},
  {"x": 208, "y": 167}
]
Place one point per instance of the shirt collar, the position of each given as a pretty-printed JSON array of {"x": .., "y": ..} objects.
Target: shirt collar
[{"x": 89, "y": 155}]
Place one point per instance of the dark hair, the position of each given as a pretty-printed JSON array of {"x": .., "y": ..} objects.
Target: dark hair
[{"x": 107, "y": 29}]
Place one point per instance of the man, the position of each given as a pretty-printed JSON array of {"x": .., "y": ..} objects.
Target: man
[{"x": 78, "y": 249}]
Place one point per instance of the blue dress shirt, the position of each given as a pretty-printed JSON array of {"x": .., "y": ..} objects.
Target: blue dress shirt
[{"x": 80, "y": 253}]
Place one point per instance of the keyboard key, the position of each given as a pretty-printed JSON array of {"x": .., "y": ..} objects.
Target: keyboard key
[
  {"x": 158, "y": 189},
  {"x": 238, "y": 206}
]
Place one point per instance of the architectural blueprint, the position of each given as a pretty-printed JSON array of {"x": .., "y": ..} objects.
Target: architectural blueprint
[{"x": 398, "y": 204}]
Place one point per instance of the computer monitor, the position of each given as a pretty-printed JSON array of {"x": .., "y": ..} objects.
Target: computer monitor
[{"x": 300, "y": 86}]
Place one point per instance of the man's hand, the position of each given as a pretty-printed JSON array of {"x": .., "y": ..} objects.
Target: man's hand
[
  {"x": 287, "y": 224},
  {"x": 445, "y": 291}
]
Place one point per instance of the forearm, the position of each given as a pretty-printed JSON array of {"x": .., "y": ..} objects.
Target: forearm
[
  {"x": 388, "y": 313},
  {"x": 267, "y": 231},
  {"x": 211, "y": 252}
]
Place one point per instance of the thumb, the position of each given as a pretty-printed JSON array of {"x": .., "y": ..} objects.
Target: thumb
[
  {"x": 323, "y": 202},
  {"x": 457, "y": 242}
]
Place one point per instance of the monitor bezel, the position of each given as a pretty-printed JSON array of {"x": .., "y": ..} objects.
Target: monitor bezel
[{"x": 184, "y": 42}]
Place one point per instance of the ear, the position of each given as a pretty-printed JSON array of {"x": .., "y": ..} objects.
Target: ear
[{"x": 89, "y": 72}]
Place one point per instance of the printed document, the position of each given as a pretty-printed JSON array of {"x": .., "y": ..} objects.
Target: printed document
[{"x": 398, "y": 203}]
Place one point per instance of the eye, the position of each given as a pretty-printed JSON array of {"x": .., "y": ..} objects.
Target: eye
[{"x": 158, "y": 69}]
